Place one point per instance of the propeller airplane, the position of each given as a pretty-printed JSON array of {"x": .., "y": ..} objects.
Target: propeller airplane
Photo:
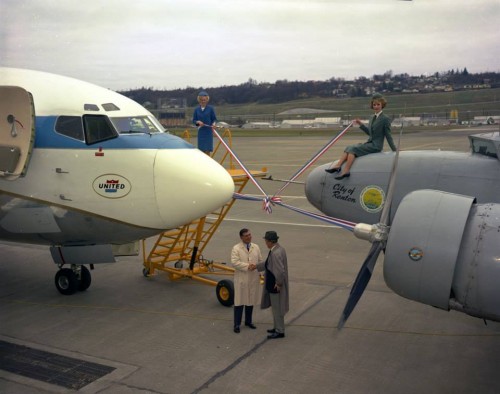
[
  {"x": 85, "y": 170},
  {"x": 435, "y": 214}
]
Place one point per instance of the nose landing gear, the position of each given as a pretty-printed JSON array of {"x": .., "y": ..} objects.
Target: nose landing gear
[{"x": 70, "y": 280}]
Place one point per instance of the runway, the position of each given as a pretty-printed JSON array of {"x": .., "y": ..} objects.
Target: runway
[{"x": 158, "y": 336}]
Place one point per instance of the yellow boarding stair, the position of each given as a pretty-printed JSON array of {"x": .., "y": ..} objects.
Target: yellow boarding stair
[{"x": 179, "y": 251}]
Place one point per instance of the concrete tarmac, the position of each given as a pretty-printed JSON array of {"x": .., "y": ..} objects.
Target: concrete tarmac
[{"x": 165, "y": 336}]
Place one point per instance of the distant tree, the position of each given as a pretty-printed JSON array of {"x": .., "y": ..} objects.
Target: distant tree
[{"x": 285, "y": 90}]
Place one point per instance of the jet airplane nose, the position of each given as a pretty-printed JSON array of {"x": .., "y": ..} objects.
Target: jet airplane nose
[{"x": 189, "y": 185}]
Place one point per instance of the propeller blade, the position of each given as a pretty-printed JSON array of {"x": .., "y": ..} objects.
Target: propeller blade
[
  {"x": 359, "y": 286},
  {"x": 365, "y": 273}
]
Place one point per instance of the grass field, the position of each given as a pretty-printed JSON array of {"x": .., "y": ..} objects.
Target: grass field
[
  {"x": 468, "y": 103},
  {"x": 327, "y": 132}
]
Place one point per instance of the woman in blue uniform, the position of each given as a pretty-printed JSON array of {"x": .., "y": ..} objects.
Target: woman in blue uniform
[
  {"x": 204, "y": 117},
  {"x": 378, "y": 130}
]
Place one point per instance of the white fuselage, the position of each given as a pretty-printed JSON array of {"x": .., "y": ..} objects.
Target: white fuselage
[{"x": 132, "y": 183}]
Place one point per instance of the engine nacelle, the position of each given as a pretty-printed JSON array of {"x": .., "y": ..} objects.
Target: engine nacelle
[{"x": 443, "y": 250}]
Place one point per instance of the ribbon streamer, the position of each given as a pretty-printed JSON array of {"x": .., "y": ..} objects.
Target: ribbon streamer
[
  {"x": 311, "y": 161},
  {"x": 266, "y": 201},
  {"x": 345, "y": 224}
]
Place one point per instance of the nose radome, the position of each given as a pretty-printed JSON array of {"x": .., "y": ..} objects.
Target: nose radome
[
  {"x": 315, "y": 183},
  {"x": 189, "y": 185}
]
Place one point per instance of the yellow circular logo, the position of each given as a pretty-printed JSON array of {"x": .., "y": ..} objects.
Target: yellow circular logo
[{"x": 372, "y": 198}]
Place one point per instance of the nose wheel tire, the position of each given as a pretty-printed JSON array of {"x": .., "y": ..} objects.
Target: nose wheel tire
[
  {"x": 69, "y": 282},
  {"x": 66, "y": 281},
  {"x": 85, "y": 279},
  {"x": 225, "y": 292}
]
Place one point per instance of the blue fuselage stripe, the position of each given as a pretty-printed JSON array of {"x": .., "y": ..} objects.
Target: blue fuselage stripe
[{"x": 47, "y": 137}]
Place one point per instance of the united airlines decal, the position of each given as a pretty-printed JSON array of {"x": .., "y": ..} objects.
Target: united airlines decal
[{"x": 112, "y": 186}]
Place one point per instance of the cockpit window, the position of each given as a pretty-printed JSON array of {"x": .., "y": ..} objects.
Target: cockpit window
[
  {"x": 90, "y": 107},
  {"x": 70, "y": 126},
  {"x": 110, "y": 107},
  {"x": 98, "y": 128},
  {"x": 136, "y": 124}
]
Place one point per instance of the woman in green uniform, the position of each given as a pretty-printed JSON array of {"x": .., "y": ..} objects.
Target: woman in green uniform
[{"x": 378, "y": 130}]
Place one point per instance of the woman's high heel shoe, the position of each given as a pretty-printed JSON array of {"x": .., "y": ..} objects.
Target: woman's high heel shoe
[{"x": 346, "y": 175}]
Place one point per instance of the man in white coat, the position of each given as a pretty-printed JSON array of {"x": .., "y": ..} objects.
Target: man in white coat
[{"x": 244, "y": 257}]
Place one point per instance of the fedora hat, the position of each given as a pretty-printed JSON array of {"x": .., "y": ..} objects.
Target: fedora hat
[{"x": 271, "y": 236}]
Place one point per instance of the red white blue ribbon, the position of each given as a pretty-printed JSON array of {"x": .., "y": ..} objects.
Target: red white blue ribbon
[
  {"x": 328, "y": 219},
  {"x": 266, "y": 204},
  {"x": 311, "y": 161}
]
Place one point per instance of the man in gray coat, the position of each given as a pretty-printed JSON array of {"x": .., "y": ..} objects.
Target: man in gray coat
[{"x": 275, "y": 291}]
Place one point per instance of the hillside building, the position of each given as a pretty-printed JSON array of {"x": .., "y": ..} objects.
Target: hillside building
[{"x": 171, "y": 112}]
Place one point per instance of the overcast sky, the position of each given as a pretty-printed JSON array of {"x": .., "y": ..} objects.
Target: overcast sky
[{"x": 168, "y": 44}]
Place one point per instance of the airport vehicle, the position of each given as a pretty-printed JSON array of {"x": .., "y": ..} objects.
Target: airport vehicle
[
  {"x": 89, "y": 172},
  {"x": 435, "y": 214}
]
